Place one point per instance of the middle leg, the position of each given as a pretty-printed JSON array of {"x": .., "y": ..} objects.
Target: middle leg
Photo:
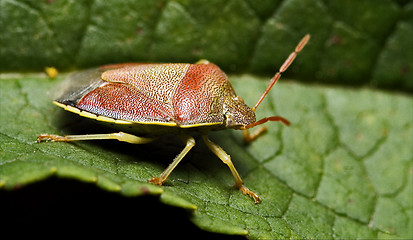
[{"x": 190, "y": 143}]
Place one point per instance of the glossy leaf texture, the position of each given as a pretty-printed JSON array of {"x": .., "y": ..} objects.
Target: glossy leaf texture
[
  {"x": 355, "y": 43},
  {"x": 343, "y": 169}
]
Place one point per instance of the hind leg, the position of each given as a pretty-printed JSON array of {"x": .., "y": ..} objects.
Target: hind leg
[{"x": 121, "y": 136}]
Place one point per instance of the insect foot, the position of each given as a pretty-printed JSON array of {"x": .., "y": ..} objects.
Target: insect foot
[
  {"x": 250, "y": 193},
  {"x": 157, "y": 181},
  {"x": 50, "y": 138}
]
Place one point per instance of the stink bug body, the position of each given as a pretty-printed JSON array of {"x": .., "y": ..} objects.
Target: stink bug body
[{"x": 164, "y": 98}]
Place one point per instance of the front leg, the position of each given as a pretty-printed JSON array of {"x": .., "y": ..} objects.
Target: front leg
[
  {"x": 227, "y": 160},
  {"x": 249, "y": 137}
]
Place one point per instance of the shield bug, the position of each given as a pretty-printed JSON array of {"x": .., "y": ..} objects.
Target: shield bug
[{"x": 157, "y": 99}]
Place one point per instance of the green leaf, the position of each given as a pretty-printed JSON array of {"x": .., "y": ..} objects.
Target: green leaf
[
  {"x": 355, "y": 43},
  {"x": 343, "y": 169}
]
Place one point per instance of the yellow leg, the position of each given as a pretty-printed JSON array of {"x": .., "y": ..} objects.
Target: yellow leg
[
  {"x": 249, "y": 137},
  {"x": 190, "y": 143},
  {"x": 121, "y": 136},
  {"x": 227, "y": 160}
]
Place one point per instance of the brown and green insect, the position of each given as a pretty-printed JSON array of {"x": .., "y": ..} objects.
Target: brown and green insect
[{"x": 158, "y": 99}]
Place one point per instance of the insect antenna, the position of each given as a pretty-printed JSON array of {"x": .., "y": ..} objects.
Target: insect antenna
[{"x": 282, "y": 69}]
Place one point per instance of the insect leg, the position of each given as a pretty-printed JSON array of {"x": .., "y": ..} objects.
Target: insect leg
[
  {"x": 249, "y": 137},
  {"x": 121, "y": 136},
  {"x": 227, "y": 160},
  {"x": 190, "y": 143}
]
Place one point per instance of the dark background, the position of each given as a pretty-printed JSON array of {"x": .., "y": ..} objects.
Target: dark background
[{"x": 61, "y": 208}]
